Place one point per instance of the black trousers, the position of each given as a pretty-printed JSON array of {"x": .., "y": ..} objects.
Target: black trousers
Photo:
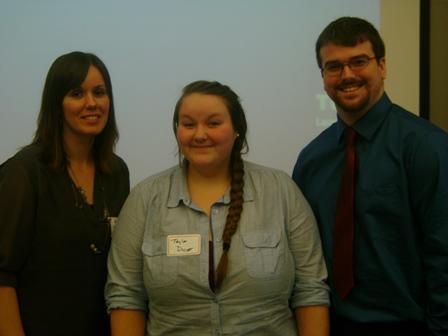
[{"x": 343, "y": 327}]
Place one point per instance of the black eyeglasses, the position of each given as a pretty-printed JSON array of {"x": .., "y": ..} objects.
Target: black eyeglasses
[{"x": 335, "y": 69}]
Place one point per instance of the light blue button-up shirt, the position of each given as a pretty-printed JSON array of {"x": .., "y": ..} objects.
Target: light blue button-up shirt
[{"x": 275, "y": 259}]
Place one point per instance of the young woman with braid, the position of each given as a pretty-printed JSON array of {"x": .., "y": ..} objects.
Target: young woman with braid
[{"x": 216, "y": 245}]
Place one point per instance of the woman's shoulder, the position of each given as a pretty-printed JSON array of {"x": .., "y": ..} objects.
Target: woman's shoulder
[
  {"x": 256, "y": 168},
  {"x": 24, "y": 165},
  {"x": 161, "y": 176},
  {"x": 121, "y": 164},
  {"x": 263, "y": 177},
  {"x": 270, "y": 183},
  {"x": 28, "y": 156}
]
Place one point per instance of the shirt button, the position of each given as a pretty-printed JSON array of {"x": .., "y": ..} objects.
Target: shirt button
[
  {"x": 218, "y": 240},
  {"x": 215, "y": 211}
]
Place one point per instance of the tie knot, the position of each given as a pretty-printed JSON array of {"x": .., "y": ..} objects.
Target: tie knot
[{"x": 350, "y": 134}]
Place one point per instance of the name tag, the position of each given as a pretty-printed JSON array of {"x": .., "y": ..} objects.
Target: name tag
[{"x": 183, "y": 245}]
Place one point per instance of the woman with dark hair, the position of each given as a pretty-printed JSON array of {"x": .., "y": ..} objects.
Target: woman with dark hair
[
  {"x": 59, "y": 197},
  {"x": 216, "y": 245}
]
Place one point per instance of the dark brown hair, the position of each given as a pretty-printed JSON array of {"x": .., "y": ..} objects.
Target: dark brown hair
[
  {"x": 349, "y": 32},
  {"x": 66, "y": 73},
  {"x": 240, "y": 147}
]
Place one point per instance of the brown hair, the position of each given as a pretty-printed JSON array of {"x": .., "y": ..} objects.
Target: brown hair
[
  {"x": 66, "y": 73},
  {"x": 236, "y": 162},
  {"x": 348, "y": 32}
]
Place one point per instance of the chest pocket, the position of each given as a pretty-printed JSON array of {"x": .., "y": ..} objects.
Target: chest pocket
[
  {"x": 264, "y": 253},
  {"x": 159, "y": 269}
]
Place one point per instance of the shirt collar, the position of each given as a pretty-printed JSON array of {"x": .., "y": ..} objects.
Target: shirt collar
[
  {"x": 370, "y": 122},
  {"x": 179, "y": 190}
]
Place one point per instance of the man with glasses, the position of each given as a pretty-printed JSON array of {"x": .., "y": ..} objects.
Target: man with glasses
[{"x": 380, "y": 196}]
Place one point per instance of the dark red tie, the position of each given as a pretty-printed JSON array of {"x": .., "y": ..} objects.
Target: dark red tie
[{"x": 343, "y": 228}]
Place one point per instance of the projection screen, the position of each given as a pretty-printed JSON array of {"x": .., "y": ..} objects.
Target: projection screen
[{"x": 262, "y": 49}]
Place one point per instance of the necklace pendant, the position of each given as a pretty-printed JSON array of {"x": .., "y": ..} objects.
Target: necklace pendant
[
  {"x": 83, "y": 193},
  {"x": 75, "y": 183},
  {"x": 106, "y": 215}
]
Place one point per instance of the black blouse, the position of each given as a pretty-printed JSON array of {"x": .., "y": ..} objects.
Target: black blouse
[{"x": 45, "y": 245}]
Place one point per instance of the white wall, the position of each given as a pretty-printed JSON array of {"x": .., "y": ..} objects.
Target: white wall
[{"x": 400, "y": 29}]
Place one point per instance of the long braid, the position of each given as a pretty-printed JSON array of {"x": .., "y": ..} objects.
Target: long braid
[
  {"x": 240, "y": 147},
  {"x": 233, "y": 217}
]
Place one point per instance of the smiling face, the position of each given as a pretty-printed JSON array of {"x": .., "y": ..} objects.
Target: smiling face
[
  {"x": 86, "y": 108},
  {"x": 353, "y": 92},
  {"x": 205, "y": 133}
]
